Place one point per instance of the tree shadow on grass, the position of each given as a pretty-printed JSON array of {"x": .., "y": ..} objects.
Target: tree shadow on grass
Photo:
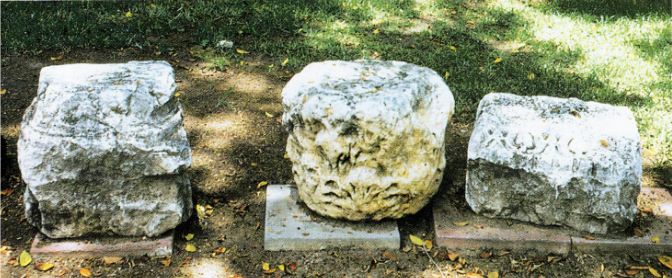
[
  {"x": 475, "y": 67},
  {"x": 612, "y": 8}
]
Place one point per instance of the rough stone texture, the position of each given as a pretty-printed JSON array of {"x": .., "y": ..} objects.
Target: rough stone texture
[
  {"x": 366, "y": 138},
  {"x": 103, "y": 150},
  {"x": 554, "y": 161}
]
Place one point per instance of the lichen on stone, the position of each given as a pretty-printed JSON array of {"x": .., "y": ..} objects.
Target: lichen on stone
[{"x": 366, "y": 138}]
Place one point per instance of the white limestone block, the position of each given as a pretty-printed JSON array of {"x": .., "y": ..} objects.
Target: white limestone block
[
  {"x": 555, "y": 161},
  {"x": 103, "y": 150},
  {"x": 366, "y": 138}
]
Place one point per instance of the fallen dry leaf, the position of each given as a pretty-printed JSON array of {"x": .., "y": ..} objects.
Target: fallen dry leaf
[
  {"x": 453, "y": 256},
  {"x": 486, "y": 255},
  {"x": 638, "y": 232},
  {"x": 428, "y": 244},
  {"x": 666, "y": 261},
  {"x": 448, "y": 256},
  {"x": 242, "y": 51},
  {"x": 416, "y": 240},
  {"x": 473, "y": 275},
  {"x": 25, "y": 258},
  {"x": 654, "y": 272},
  {"x": 265, "y": 266},
  {"x": 44, "y": 267},
  {"x": 292, "y": 266},
  {"x": 631, "y": 271},
  {"x": 553, "y": 259},
  {"x": 460, "y": 224},
  {"x": 269, "y": 115},
  {"x": 588, "y": 237},
  {"x": 6, "y": 192},
  {"x": 13, "y": 262},
  {"x": 3, "y": 91},
  {"x": 189, "y": 237},
  {"x": 165, "y": 262},
  {"x": 493, "y": 274},
  {"x": 281, "y": 267},
  {"x": 85, "y": 272},
  {"x": 6, "y": 249},
  {"x": 640, "y": 267},
  {"x": 655, "y": 239},
  {"x": 220, "y": 250},
  {"x": 261, "y": 184},
  {"x": 200, "y": 211},
  {"x": 190, "y": 248},
  {"x": 498, "y": 60},
  {"x": 389, "y": 256},
  {"x": 111, "y": 260}
]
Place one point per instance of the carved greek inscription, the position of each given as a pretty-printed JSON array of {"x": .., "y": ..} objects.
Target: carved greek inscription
[{"x": 534, "y": 143}]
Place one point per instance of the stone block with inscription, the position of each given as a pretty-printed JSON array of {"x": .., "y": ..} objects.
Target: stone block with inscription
[{"x": 554, "y": 161}]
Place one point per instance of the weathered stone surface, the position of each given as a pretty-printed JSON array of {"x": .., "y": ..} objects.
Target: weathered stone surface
[
  {"x": 366, "y": 138},
  {"x": 103, "y": 150},
  {"x": 554, "y": 161}
]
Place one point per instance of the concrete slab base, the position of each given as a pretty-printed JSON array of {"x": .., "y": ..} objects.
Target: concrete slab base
[
  {"x": 290, "y": 225},
  {"x": 461, "y": 228},
  {"x": 481, "y": 232},
  {"x": 94, "y": 247},
  {"x": 657, "y": 223}
]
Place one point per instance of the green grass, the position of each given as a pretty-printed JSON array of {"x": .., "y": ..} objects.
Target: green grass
[
  {"x": 617, "y": 52},
  {"x": 222, "y": 100}
]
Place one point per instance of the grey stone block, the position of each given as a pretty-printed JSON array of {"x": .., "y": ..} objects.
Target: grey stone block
[
  {"x": 103, "y": 151},
  {"x": 555, "y": 161}
]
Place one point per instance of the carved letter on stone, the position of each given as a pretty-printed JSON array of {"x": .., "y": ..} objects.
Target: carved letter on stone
[
  {"x": 366, "y": 138},
  {"x": 103, "y": 150},
  {"x": 555, "y": 161}
]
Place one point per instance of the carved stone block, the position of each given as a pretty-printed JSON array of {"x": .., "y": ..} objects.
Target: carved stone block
[
  {"x": 103, "y": 151},
  {"x": 554, "y": 161},
  {"x": 366, "y": 138}
]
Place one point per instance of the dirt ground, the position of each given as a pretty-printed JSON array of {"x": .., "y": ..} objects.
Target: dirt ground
[{"x": 236, "y": 145}]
